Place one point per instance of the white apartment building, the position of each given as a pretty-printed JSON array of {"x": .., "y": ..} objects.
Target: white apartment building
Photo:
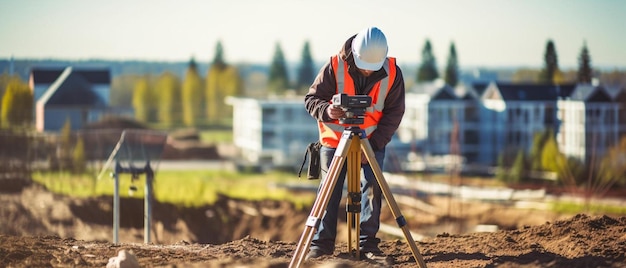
[
  {"x": 272, "y": 132},
  {"x": 482, "y": 121},
  {"x": 590, "y": 125}
]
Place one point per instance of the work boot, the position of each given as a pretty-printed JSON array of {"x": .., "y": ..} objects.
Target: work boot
[{"x": 315, "y": 253}]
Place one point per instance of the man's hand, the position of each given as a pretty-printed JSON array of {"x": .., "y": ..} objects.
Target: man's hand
[{"x": 335, "y": 112}]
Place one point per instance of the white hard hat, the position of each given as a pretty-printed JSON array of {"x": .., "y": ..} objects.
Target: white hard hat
[{"x": 369, "y": 48}]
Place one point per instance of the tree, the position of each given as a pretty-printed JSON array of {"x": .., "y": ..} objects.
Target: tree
[
  {"x": 79, "y": 163},
  {"x": 428, "y": 68},
  {"x": 519, "y": 169},
  {"x": 143, "y": 101},
  {"x": 539, "y": 141},
  {"x": 222, "y": 80},
  {"x": 525, "y": 75},
  {"x": 612, "y": 169},
  {"x": 5, "y": 78},
  {"x": 17, "y": 105},
  {"x": 192, "y": 97},
  {"x": 278, "y": 81},
  {"x": 65, "y": 145},
  {"x": 122, "y": 89},
  {"x": 218, "y": 59},
  {"x": 550, "y": 70},
  {"x": 567, "y": 169},
  {"x": 452, "y": 68},
  {"x": 168, "y": 94},
  {"x": 306, "y": 72},
  {"x": 585, "y": 73}
]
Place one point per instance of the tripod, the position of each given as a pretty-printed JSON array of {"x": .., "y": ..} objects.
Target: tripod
[{"x": 352, "y": 143}]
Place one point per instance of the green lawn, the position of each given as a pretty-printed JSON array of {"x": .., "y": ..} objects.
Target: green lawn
[
  {"x": 186, "y": 188},
  {"x": 569, "y": 207}
]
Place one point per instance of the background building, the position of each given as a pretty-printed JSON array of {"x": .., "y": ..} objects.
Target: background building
[
  {"x": 79, "y": 95},
  {"x": 479, "y": 122},
  {"x": 272, "y": 132}
]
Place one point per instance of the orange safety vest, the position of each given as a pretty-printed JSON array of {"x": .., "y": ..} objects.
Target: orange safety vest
[{"x": 330, "y": 132}]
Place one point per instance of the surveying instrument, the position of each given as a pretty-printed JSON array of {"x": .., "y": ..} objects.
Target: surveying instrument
[
  {"x": 353, "y": 142},
  {"x": 138, "y": 149}
]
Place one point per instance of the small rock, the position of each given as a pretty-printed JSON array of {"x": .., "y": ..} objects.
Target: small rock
[{"x": 124, "y": 259}]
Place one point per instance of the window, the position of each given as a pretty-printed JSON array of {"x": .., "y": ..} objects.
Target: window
[
  {"x": 549, "y": 116},
  {"x": 269, "y": 114}
]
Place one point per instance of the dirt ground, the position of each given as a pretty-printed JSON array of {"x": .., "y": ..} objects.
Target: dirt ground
[{"x": 41, "y": 229}]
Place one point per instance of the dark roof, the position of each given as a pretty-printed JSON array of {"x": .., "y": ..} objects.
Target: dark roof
[
  {"x": 480, "y": 88},
  {"x": 92, "y": 75},
  {"x": 75, "y": 90},
  {"x": 534, "y": 92},
  {"x": 72, "y": 88},
  {"x": 45, "y": 76},
  {"x": 590, "y": 93},
  {"x": 444, "y": 93}
]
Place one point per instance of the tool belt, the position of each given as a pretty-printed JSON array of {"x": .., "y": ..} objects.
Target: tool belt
[{"x": 314, "y": 169}]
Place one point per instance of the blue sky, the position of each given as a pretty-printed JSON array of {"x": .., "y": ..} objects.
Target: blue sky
[{"x": 487, "y": 33}]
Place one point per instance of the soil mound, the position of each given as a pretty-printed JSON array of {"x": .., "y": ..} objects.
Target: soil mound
[
  {"x": 40, "y": 229},
  {"x": 581, "y": 241}
]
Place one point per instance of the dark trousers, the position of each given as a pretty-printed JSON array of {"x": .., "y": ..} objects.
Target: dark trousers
[{"x": 324, "y": 238}]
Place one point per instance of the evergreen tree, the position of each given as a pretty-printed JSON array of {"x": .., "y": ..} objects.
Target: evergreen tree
[
  {"x": 222, "y": 80},
  {"x": 17, "y": 105},
  {"x": 428, "y": 68},
  {"x": 550, "y": 70},
  {"x": 452, "y": 68},
  {"x": 306, "y": 73},
  {"x": 278, "y": 77},
  {"x": 168, "y": 93},
  {"x": 585, "y": 72},
  {"x": 218, "y": 59},
  {"x": 192, "y": 98},
  {"x": 143, "y": 101}
]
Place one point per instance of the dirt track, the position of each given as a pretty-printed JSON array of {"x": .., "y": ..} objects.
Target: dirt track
[{"x": 39, "y": 229}]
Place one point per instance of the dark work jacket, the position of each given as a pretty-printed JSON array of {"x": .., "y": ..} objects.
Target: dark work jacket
[{"x": 324, "y": 87}]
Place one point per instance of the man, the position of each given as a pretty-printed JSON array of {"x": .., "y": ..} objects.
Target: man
[{"x": 361, "y": 68}]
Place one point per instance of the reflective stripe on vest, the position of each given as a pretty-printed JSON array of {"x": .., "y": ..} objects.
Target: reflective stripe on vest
[{"x": 330, "y": 132}]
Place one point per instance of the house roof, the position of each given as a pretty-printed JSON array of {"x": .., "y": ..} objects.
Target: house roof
[
  {"x": 47, "y": 75},
  {"x": 71, "y": 88},
  {"x": 591, "y": 93},
  {"x": 533, "y": 92},
  {"x": 444, "y": 93},
  {"x": 480, "y": 88}
]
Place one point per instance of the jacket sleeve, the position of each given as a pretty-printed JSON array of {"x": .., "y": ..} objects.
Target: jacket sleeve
[
  {"x": 320, "y": 93},
  {"x": 392, "y": 114}
]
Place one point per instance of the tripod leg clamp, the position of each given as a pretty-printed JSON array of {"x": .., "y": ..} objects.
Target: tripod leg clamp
[
  {"x": 355, "y": 202},
  {"x": 312, "y": 222},
  {"x": 401, "y": 221}
]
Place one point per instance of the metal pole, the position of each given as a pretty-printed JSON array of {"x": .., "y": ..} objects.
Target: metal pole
[
  {"x": 148, "y": 203},
  {"x": 116, "y": 203}
]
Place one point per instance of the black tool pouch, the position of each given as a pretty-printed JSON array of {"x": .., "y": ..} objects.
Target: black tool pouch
[{"x": 314, "y": 169}]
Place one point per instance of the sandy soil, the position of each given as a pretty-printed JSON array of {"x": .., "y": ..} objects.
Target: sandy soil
[{"x": 40, "y": 229}]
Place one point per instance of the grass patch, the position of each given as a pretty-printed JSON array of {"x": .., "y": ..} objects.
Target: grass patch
[
  {"x": 215, "y": 136},
  {"x": 595, "y": 208},
  {"x": 186, "y": 188}
]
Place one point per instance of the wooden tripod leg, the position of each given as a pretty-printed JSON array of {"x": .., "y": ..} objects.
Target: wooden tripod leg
[
  {"x": 321, "y": 202},
  {"x": 353, "y": 204},
  {"x": 395, "y": 210}
]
